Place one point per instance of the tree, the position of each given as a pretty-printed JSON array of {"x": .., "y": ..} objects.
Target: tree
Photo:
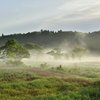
[
  {"x": 78, "y": 52},
  {"x": 31, "y": 46},
  {"x": 12, "y": 51},
  {"x": 56, "y": 53},
  {"x": 34, "y": 49},
  {"x": 2, "y": 35}
]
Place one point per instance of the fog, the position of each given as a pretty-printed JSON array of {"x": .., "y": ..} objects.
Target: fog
[{"x": 36, "y": 60}]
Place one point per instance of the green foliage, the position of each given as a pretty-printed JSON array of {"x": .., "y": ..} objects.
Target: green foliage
[
  {"x": 15, "y": 75},
  {"x": 33, "y": 46},
  {"x": 11, "y": 42},
  {"x": 44, "y": 65},
  {"x": 56, "y": 53},
  {"x": 78, "y": 52},
  {"x": 60, "y": 67},
  {"x": 35, "y": 49},
  {"x": 13, "y": 51}
]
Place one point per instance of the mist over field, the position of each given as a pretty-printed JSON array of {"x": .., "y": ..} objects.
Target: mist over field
[{"x": 36, "y": 60}]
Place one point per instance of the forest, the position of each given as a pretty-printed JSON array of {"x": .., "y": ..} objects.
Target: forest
[{"x": 59, "y": 39}]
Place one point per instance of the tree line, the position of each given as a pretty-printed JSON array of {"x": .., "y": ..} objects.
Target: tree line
[{"x": 63, "y": 39}]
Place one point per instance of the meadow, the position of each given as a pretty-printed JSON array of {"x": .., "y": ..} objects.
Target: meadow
[{"x": 51, "y": 81}]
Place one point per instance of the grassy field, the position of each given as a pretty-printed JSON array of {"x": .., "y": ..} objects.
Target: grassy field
[{"x": 67, "y": 81}]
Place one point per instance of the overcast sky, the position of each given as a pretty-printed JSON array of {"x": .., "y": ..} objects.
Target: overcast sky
[{"x": 21, "y": 16}]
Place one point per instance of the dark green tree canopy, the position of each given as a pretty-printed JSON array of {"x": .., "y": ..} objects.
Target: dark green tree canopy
[
  {"x": 11, "y": 42},
  {"x": 13, "y": 51},
  {"x": 31, "y": 46}
]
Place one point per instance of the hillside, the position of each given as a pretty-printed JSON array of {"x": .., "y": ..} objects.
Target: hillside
[{"x": 62, "y": 39}]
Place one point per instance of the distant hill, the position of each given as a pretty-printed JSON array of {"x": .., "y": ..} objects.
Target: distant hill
[{"x": 63, "y": 39}]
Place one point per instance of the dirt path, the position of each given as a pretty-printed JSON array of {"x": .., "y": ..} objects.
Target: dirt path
[
  {"x": 49, "y": 73},
  {"x": 71, "y": 78}
]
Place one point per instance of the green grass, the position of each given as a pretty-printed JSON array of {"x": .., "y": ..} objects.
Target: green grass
[{"x": 22, "y": 84}]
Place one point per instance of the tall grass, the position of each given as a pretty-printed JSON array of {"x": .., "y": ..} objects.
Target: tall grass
[{"x": 24, "y": 84}]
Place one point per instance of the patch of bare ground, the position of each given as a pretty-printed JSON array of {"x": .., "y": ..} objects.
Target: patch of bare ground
[
  {"x": 70, "y": 78},
  {"x": 49, "y": 73}
]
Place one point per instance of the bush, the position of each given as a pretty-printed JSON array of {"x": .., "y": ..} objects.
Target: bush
[
  {"x": 44, "y": 65},
  {"x": 16, "y": 63}
]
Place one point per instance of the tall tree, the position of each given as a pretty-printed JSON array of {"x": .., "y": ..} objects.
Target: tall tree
[{"x": 13, "y": 51}]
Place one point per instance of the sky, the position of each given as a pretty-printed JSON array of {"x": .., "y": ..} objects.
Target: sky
[{"x": 22, "y": 16}]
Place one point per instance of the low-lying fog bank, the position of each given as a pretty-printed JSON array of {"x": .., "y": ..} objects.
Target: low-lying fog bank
[{"x": 52, "y": 62}]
